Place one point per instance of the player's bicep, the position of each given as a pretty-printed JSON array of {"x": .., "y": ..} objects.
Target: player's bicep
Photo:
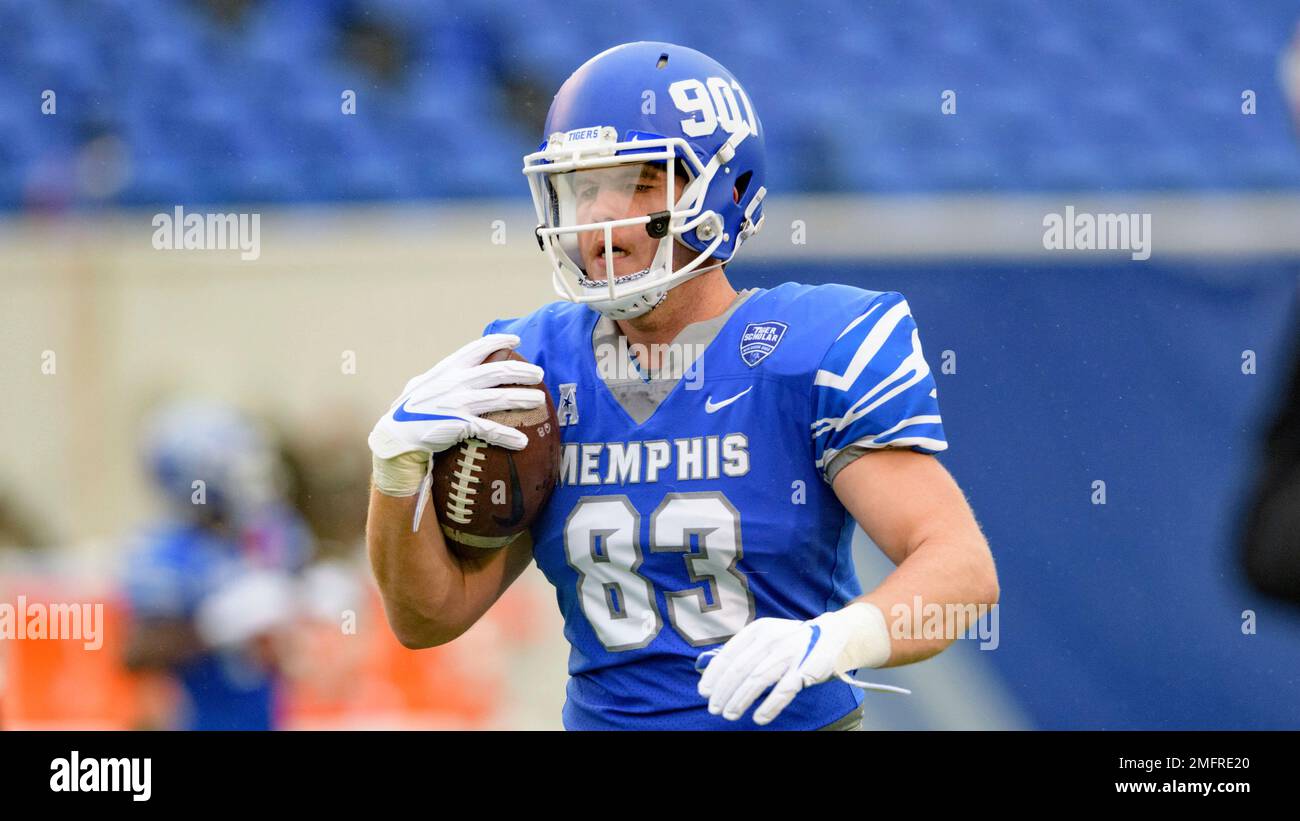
[{"x": 901, "y": 498}]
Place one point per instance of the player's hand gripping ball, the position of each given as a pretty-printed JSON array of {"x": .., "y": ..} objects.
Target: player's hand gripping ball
[
  {"x": 482, "y": 423},
  {"x": 485, "y": 494}
]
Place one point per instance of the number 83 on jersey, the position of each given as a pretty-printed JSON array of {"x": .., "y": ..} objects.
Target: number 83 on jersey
[{"x": 602, "y": 543}]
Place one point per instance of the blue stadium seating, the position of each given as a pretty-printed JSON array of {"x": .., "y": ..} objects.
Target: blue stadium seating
[{"x": 1101, "y": 95}]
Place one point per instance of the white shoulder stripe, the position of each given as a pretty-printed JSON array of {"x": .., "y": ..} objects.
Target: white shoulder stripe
[
  {"x": 924, "y": 419},
  {"x": 911, "y": 371},
  {"x": 873, "y": 442},
  {"x": 855, "y": 322},
  {"x": 866, "y": 351}
]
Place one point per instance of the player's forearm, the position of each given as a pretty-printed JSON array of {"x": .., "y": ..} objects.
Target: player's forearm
[
  {"x": 917, "y": 515},
  {"x": 951, "y": 570},
  {"x": 418, "y": 576},
  {"x": 161, "y": 645},
  {"x": 431, "y": 593}
]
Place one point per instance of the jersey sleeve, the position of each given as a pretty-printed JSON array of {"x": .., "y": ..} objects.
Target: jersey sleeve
[
  {"x": 874, "y": 389},
  {"x": 156, "y": 585}
]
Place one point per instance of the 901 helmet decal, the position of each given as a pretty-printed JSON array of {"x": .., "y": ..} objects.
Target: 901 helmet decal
[{"x": 630, "y": 127}]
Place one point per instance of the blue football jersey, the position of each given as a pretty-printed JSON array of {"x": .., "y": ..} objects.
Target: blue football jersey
[
  {"x": 666, "y": 536},
  {"x": 172, "y": 569}
]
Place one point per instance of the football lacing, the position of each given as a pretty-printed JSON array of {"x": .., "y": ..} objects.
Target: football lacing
[{"x": 460, "y": 501}]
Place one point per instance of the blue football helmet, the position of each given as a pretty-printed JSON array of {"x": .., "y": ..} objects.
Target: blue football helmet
[
  {"x": 190, "y": 441},
  {"x": 640, "y": 106}
]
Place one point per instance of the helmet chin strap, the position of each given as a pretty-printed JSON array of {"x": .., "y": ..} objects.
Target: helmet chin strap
[
  {"x": 641, "y": 304},
  {"x": 631, "y": 307}
]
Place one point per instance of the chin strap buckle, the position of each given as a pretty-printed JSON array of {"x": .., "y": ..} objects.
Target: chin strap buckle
[{"x": 748, "y": 227}]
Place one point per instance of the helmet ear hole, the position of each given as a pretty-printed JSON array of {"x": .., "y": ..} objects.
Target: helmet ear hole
[{"x": 742, "y": 185}]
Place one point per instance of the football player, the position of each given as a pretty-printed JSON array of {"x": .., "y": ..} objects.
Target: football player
[
  {"x": 707, "y": 498},
  {"x": 211, "y": 589}
]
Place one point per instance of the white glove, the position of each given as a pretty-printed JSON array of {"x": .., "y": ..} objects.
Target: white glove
[
  {"x": 254, "y": 603},
  {"x": 792, "y": 655},
  {"x": 441, "y": 407}
]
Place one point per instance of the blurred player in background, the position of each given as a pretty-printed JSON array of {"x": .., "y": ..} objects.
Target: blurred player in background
[
  {"x": 1271, "y": 538},
  {"x": 693, "y": 516},
  {"x": 211, "y": 588}
]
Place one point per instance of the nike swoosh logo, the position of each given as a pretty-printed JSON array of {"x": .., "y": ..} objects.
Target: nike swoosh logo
[
  {"x": 710, "y": 406},
  {"x": 404, "y": 415},
  {"x": 812, "y": 642},
  {"x": 516, "y": 497}
]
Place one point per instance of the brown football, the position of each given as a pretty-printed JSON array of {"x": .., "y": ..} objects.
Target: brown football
[{"x": 486, "y": 495}]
